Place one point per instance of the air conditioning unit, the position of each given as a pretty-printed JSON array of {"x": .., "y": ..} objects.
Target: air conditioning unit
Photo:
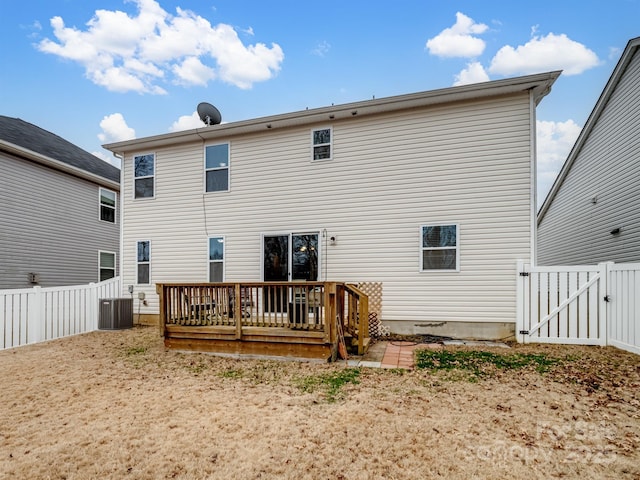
[{"x": 115, "y": 313}]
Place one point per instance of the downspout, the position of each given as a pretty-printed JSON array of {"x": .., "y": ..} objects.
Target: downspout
[
  {"x": 533, "y": 183},
  {"x": 121, "y": 218}
]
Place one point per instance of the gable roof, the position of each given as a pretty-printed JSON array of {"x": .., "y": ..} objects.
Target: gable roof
[
  {"x": 629, "y": 52},
  {"x": 538, "y": 84},
  {"x": 30, "y": 141}
]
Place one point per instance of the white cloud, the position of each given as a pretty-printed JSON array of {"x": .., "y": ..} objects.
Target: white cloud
[
  {"x": 115, "y": 129},
  {"x": 193, "y": 72},
  {"x": 474, "y": 73},
  {"x": 186, "y": 122},
  {"x": 458, "y": 40},
  {"x": 321, "y": 49},
  {"x": 553, "y": 52},
  {"x": 123, "y": 52},
  {"x": 554, "y": 142}
]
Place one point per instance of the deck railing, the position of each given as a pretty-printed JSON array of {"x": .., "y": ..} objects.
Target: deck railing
[{"x": 303, "y": 308}]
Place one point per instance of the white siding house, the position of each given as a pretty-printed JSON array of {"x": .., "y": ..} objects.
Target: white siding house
[
  {"x": 59, "y": 223},
  {"x": 592, "y": 212},
  {"x": 431, "y": 194}
]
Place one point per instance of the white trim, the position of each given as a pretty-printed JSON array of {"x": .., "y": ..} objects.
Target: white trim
[
  {"x": 115, "y": 206},
  {"x": 155, "y": 172},
  {"x": 224, "y": 255},
  {"x": 204, "y": 164},
  {"x": 115, "y": 262},
  {"x": 142, "y": 263},
  {"x": 457, "y": 247}
]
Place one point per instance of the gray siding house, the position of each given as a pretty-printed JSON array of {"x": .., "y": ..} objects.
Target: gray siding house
[
  {"x": 592, "y": 212},
  {"x": 429, "y": 195},
  {"x": 59, "y": 219}
]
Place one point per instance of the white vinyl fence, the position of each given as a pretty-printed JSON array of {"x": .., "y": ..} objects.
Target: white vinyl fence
[
  {"x": 37, "y": 314},
  {"x": 583, "y": 304}
]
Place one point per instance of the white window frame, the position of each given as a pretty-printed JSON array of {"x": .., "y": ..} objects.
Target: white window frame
[
  {"x": 456, "y": 248},
  {"x": 314, "y": 145},
  {"x": 224, "y": 254},
  {"x": 155, "y": 166},
  {"x": 227, "y": 168},
  {"x": 100, "y": 268},
  {"x": 100, "y": 205},
  {"x": 138, "y": 262}
]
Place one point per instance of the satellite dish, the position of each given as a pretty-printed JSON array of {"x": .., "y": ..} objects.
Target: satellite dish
[{"x": 209, "y": 114}]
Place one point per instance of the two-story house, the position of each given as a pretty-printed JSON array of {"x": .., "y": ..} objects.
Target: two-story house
[
  {"x": 431, "y": 195},
  {"x": 59, "y": 210}
]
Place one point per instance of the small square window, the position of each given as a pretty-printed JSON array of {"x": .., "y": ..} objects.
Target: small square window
[
  {"x": 439, "y": 247},
  {"x": 321, "y": 143}
]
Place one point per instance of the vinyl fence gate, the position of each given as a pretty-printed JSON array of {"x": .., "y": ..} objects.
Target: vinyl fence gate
[{"x": 582, "y": 304}]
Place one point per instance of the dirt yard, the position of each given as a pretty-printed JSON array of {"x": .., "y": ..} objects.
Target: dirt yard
[{"x": 117, "y": 405}]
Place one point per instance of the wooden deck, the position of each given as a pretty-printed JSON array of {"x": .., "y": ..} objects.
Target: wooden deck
[{"x": 291, "y": 319}]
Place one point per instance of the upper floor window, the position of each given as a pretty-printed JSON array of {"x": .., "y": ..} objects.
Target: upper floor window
[
  {"x": 144, "y": 175},
  {"x": 106, "y": 265},
  {"x": 216, "y": 259},
  {"x": 107, "y": 205},
  {"x": 439, "y": 246},
  {"x": 321, "y": 142},
  {"x": 144, "y": 262},
  {"x": 216, "y": 166}
]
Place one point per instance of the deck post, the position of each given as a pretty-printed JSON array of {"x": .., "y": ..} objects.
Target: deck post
[
  {"x": 363, "y": 329},
  {"x": 330, "y": 312},
  {"x": 162, "y": 318},
  {"x": 237, "y": 311}
]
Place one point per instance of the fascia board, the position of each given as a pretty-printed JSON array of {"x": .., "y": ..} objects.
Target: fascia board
[{"x": 540, "y": 84}]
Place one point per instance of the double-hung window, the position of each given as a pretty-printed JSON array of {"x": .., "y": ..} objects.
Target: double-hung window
[
  {"x": 143, "y": 262},
  {"x": 216, "y": 167},
  {"x": 321, "y": 142},
  {"x": 107, "y": 205},
  {"x": 106, "y": 265},
  {"x": 439, "y": 247},
  {"x": 144, "y": 175},
  {"x": 216, "y": 259}
]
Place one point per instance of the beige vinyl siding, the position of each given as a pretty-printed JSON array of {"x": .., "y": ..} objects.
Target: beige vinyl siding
[
  {"x": 50, "y": 225},
  {"x": 466, "y": 163},
  {"x": 576, "y": 231}
]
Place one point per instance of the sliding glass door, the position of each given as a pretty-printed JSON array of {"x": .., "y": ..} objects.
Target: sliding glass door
[{"x": 288, "y": 257}]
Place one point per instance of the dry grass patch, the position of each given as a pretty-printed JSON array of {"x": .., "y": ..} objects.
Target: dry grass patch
[{"x": 115, "y": 405}]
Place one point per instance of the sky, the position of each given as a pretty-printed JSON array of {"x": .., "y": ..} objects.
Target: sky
[{"x": 102, "y": 71}]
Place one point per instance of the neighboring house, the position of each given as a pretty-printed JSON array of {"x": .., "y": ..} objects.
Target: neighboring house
[
  {"x": 430, "y": 194},
  {"x": 592, "y": 212},
  {"x": 59, "y": 218}
]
